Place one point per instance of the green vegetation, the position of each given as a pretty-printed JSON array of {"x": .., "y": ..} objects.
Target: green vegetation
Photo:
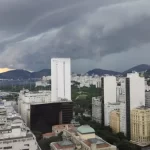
[{"x": 82, "y": 97}]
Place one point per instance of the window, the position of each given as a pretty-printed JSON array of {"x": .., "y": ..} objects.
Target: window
[{"x": 9, "y": 147}]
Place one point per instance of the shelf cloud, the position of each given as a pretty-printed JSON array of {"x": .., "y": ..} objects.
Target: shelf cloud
[{"x": 98, "y": 31}]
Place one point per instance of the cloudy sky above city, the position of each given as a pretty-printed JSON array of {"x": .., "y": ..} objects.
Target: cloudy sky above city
[{"x": 108, "y": 34}]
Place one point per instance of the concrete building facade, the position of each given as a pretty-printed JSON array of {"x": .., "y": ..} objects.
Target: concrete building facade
[
  {"x": 115, "y": 121},
  {"x": 14, "y": 134},
  {"x": 108, "y": 108},
  {"x": 97, "y": 109},
  {"x": 60, "y": 79},
  {"x": 147, "y": 98},
  {"x": 140, "y": 126}
]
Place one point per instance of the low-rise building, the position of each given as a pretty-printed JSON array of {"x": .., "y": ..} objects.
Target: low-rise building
[
  {"x": 83, "y": 138},
  {"x": 59, "y": 128}
]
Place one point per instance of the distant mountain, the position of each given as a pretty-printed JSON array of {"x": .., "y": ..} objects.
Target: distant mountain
[
  {"x": 139, "y": 68},
  {"x": 101, "y": 72},
  {"x": 16, "y": 74},
  {"x": 23, "y": 74},
  {"x": 40, "y": 74}
]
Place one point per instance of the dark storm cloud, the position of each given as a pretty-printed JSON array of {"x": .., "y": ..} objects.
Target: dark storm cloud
[{"x": 32, "y": 31}]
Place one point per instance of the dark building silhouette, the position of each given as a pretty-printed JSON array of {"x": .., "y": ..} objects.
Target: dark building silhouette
[{"x": 44, "y": 116}]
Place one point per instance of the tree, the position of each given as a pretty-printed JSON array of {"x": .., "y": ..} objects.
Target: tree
[
  {"x": 111, "y": 139},
  {"x": 125, "y": 145},
  {"x": 38, "y": 135},
  {"x": 121, "y": 136},
  {"x": 45, "y": 143}
]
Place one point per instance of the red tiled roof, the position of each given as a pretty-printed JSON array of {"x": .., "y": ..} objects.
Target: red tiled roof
[
  {"x": 49, "y": 134},
  {"x": 87, "y": 142},
  {"x": 63, "y": 147}
]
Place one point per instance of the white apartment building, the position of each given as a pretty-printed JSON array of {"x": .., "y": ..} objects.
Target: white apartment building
[
  {"x": 14, "y": 134},
  {"x": 137, "y": 90},
  {"x": 108, "y": 108},
  {"x": 87, "y": 81},
  {"x": 97, "y": 109},
  {"x": 60, "y": 78},
  {"x": 27, "y": 98},
  {"x": 109, "y": 86},
  {"x": 44, "y": 82}
]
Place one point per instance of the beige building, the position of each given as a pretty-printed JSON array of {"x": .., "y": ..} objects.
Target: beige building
[
  {"x": 82, "y": 138},
  {"x": 140, "y": 126},
  {"x": 115, "y": 121}
]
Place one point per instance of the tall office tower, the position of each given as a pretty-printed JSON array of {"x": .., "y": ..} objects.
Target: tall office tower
[
  {"x": 60, "y": 79},
  {"x": 140, "y": 127},
  {"x": 109, "y": 85},
  {"x": 133, "y": 96},
  {"x": 136, "y": 90}
]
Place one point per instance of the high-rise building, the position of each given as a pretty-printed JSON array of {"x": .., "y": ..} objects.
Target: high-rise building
[
  {"x": 132, "y": 96},
  {"x": 42, "y": 109},
  {"x": 97, "y": 109},
  {"x": 136, "y": 90},
  {"x": 109, "y": 87},
  {"x": 147, "y": 98},
  {"x": 140, "y": 126},
  {"x": 115, "y": 121},
  {"x": 60, "y": 79}
]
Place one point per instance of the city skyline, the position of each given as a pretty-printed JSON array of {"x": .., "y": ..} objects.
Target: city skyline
[{"x": 95, "y": 34}]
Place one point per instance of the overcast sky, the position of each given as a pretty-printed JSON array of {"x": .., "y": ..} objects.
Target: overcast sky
[{"x": 108, "y": 34}]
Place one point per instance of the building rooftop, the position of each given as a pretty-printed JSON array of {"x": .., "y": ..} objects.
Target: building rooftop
[
  {"x": 99, "y": 142},
  {"x": 63, "y": 126},
  {"x": 64, "y": 144},
  {"x": 142, "y": 108},
  {"x": 85, "y": 129},
  {"x": 50, "y": 134}
]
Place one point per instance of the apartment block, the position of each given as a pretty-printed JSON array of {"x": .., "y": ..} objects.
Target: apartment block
[
  {"x": 140, "y": 126},
  {"x": 14, "y": 134}
]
